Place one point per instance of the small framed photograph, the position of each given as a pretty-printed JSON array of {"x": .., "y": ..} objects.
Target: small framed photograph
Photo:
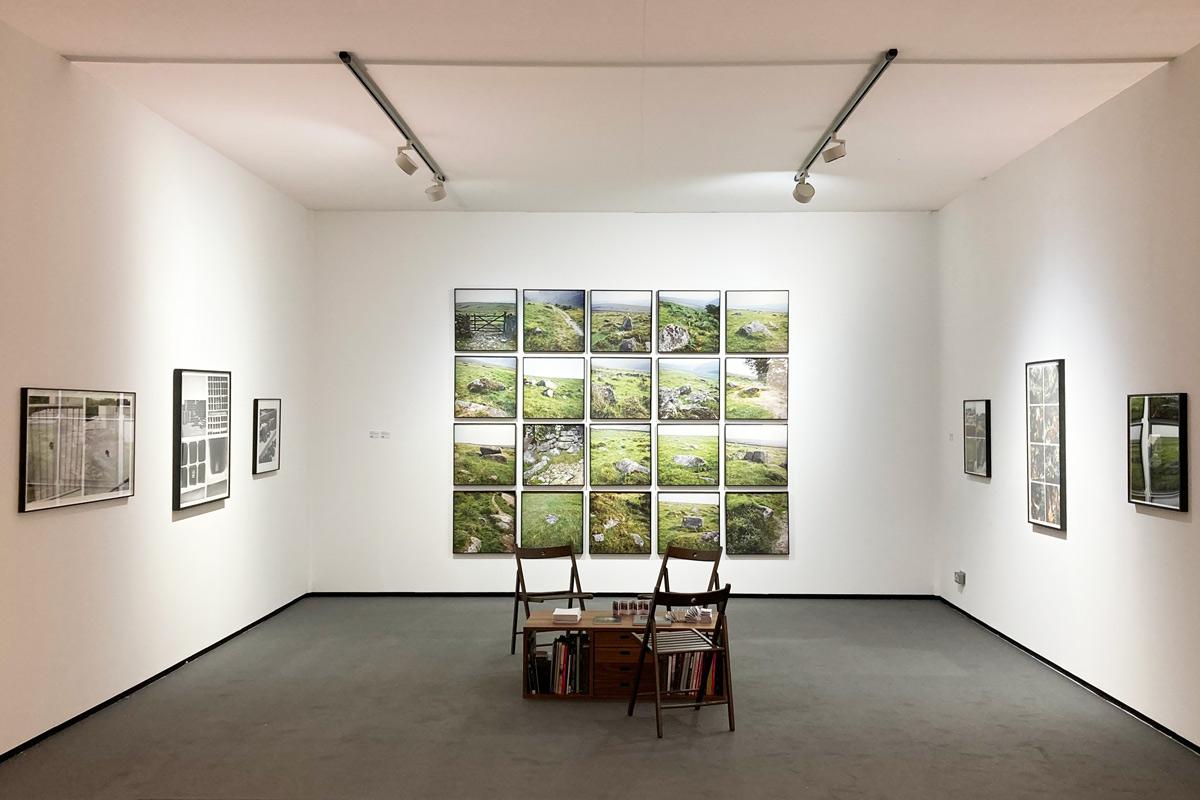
[
  {"x": 977, "y": 438},
  {"x": 485, "y": 320},
  {"x": 619, "y": 455},
  {"x": 756, "y": 455},
  {"x": 689, "y": 388},
  {"x": 485, "y": 454},
  {"x": 484, "y": 522},
  {"x": 1158, "y": 450},
  {"x": 620, "y": 388},
  {"x": 756, "y": 523},
  {"x": 485, "y": 386},
  {"x": 756, "y": 388},
  {"x": 202, "y": 433},
  {"x": 689, "y": 455},
  {"x": 689, "y": 322},
  {"x": 552, "y": 388},
  {"x": 554, "y": 320},
  {"x": 77, "y": 446},
  {"x": 756, "y": 322},
  {"x": 549, "y": 519},
  {"x": 553, "y": 455},
  {"x": 619, "y": 523},
  {"x": 267, "y": 414},
  {"x": 689, "y": 519},
  {"x": 621, "y": 321}
]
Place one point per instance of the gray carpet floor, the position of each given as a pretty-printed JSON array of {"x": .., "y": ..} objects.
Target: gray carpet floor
[{"x": 419, "y": 698}]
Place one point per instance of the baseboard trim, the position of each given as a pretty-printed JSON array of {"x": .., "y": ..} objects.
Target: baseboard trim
[
  {"x": 41, "y": 737},
  {"x": 1096, "y": 690},
  {"x": 750, "y": 595}
]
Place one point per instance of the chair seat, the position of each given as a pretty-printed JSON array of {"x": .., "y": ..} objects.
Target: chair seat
[
  {"x": 682, "y": 641},
  {"x": 563, "y": 595}
]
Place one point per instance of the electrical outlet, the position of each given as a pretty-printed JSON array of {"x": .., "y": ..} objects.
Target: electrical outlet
[{"x": 960, "y": 578}]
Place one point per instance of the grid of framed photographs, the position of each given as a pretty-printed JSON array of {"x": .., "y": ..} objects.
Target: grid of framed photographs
[
  {"x": 612, "y": 395},
  {"x": 1046, "y": 443}
]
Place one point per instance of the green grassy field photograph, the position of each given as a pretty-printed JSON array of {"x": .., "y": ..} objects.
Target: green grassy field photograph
[
  {"x": 756, "y": 523},
  {"x": 552, "y": 388},
  {"x": 620, "y": 388},
  {"x": 552, "y": 518},
  {"x": 484, "y": 522},
  {"x": 689, "y": 388},
  {"x": 621, "y": 322},
  {"x": 553, "y": 455},
  {"x": 756, "y": 455},
  {"x": 485, "y": 319},
  {"x": 485, "y": 455},
  {"x": 619, "y": 455},
  {"x": 485, "y": 386},
  {"x": 687, "y": 455},
  {"x": 689, "y": 519},
  {"x": 553, "y": 320},
  {"x": 756, "y": 322},
  {"x": 619, "y": 523},
  {"x": 756, "y": 388},
  {"x": 689, "y": 322}
]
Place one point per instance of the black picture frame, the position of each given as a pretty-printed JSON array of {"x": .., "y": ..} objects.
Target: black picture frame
[
  {"x": 1041, "y": 445},
  {"x": 201, "y": 463},
  {"x": 459, "y": 320},
  {"x": 725, "y": 464},
  {"x": 972, "y": 435},
  {"x": 24, "y": 505},
  {"x": 656, "y": 400},
  {"x": 261, "y": 404},
  {"x": 728, "y": 327},
  {"x": 515, "y": 391},
  {"x": 658, "y": 323},
  {"x": 601, "y": 362},
  {"x": 591, "y": 321},
  {"x": 529, "y": 363},
  {"x": 576, "y": 543},
  {"x": 583, "y": 337},
  {"x": 734, "y": 544},
  {"x": 579, "y": 428},
  {"x": 516, "y": 455},
  {"x": 600, "y": 547},
  {"x": 1182, "y": 435},
  {"x": 726, "y": 390}
]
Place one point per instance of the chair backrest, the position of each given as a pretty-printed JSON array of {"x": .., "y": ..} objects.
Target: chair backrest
[
  {"x": 663, "y": 582},
  {"x": 539, "y": 553},
  {"x": 718, "y": 597}
]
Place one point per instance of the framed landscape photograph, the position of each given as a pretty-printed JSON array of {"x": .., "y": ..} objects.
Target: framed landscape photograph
[
  {"x": 552, "y": 518},
  {"x": 552, "y": 388},
  {"x": 621, "y": 322},
  {"x": 689, "y": 388},
  {"x": 756, "y": 455},
  {"x": 553, "y": 455},
  {"x": 485, "y": 386},
  {"x": 1046, "y": 443},
  {"x": 620, "y": 388},
  {"x": 756, "y": 322},
  {"x": 554, "y": 320},
  {"x": 756, "y": 524},
  {"x": 977, "y": 438},
  {"x": 756, "y": 388},
  {"x": 619, "y": 455},
  {"x": 202, "y": 427},
  {"x": 689, "y": 519},
  {"x": 1158, "y": 451},
  {"x": 267, "y": 416},
  {"x": 619, "y": 523},
  {"x": 689, "y": 322},
  {"x": 485, "y": 319},
  {"x": 484, "y": 522},
  {"x": 77, "y": 446},
  {"x": 485, "y": 454},
  {"x": 688, "y": 455}
]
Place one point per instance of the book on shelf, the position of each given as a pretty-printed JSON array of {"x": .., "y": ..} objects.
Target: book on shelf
[
  {"x": 684, "y": 672},
  {"x": 562, "y": 670}
]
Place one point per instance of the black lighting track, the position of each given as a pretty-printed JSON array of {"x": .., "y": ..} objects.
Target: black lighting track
[{"x": 359, "y": 70}]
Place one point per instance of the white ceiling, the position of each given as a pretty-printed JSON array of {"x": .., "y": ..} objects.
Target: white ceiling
[{"x": 667, "y": 105}]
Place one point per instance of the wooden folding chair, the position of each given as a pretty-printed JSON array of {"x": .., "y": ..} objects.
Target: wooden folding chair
[
  {"x": 663, "y": 582},
  {"x": 660, "y": 644},
  {"x": 573, "y": 592}
]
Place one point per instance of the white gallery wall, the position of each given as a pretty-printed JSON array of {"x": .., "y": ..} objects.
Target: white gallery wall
[
  {"x": 129, "y": 249},
  {"x": 1086, "y": 249},
  {"x": 862, "y": 392}
]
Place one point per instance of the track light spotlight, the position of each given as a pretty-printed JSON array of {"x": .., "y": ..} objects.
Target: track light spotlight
[
  {"x": 836, "y": 149},
  {"x": 403, "y": 161},
  {"x": 436, "y": 191},
  {"x": 804, "y": 190}
]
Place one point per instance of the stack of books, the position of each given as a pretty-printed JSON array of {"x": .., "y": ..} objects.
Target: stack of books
[
  {"x": 567, "y": 615},
  {"x": 684, "y": 671}
]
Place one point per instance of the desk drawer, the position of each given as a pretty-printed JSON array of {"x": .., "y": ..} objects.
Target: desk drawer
[
  {"x": 620, "y": 655},
  {"x": 615, "y": 639},
  {"x": 608, "y": 673}
]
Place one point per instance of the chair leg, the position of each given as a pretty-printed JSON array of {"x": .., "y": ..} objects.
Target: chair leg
[
  {"x": 637, "y": 680},
  {"x": 657, "y": 698},
  {"x": 516, "y": 606},
  {"x": 728, "y": 679}
]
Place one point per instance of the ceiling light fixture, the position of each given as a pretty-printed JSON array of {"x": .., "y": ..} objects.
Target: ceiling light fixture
[
  {"x": 830, "y": 136},
  {"x": 436, "y": 191},
  {"x": 403, "y": 161},
  {"x": 359, "y": 71}
]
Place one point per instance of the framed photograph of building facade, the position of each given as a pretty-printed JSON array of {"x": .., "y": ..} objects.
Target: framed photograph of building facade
[
  {"x": 267, "y": 414},
  {"x": 485, "y": 320},
  {"x": 77, "y": 446},
  {"x": 977, "y": 438},
  {"x": 1045, "y": 425},
  {"x": 1158, "y": 451},
  {"x": 201, "y": 437}
]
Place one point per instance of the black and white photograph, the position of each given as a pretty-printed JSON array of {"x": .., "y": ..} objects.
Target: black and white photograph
[
  {"x": 1158, "y": 450},
  {"x": 202, "y": 426},
  {"x": 267, "y": 413},
  {"x": 77, "y": 447},
  {"x": 977, "y": 438},
  {"x": 1046, "y": 443},
  {"x": 485, "y": 320}
]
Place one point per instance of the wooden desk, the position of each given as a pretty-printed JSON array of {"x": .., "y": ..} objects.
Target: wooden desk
[{"x": 610, "y": 655}]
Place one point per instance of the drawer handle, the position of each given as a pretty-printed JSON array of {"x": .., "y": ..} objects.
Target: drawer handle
[
  {"x": 625, "y": 669},
  {"x": 625, "y": 652}
]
